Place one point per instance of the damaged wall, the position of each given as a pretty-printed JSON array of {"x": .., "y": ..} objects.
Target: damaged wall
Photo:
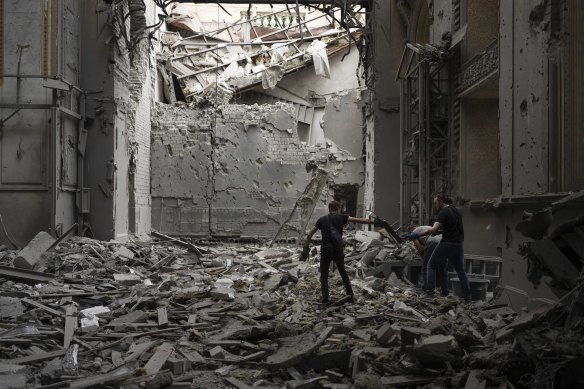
[
  {"x": 39, "y": 120},
  {"x": 234, "y": 171},
  {"x": 382, "y": 191},
  {"x": 337, "y": 121},
  {"x": 523, "y": 101},
  {"x": 121, "y": 81}
]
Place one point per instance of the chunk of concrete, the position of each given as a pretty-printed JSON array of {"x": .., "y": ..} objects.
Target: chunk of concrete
[
  {"x": 222, "y": 293},
  {"x": 438, "y": 343},
  {"x": 31, "y": 254},
  {"x": 217, "y": 353},
  {"x": 89, "y": 323},
  {"x": 410, "y": 334},
  {"x": 386, "y": 334},
  {"x": 10, "y": 307},
  {"x": 98, "y": 311},
  {"x": 273, "y": 281},
  {"x": 127, "y": 279}
]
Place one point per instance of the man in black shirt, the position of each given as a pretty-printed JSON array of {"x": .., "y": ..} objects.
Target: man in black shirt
[
  {"x": 331, "y": 249},
  {"x": 449, "y": 219}
]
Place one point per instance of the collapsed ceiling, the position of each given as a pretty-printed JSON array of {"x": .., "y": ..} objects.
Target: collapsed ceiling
[{"x": 257, "y": 49}]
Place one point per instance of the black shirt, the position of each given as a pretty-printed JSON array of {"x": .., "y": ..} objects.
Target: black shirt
[
  {"x": 451, "y": 220},
  {"x": 336, "y": 220}
]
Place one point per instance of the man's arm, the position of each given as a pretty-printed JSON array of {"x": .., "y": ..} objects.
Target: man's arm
[
  {"x": 306, "y": 249},
  {"x": 435, "y": 228},
  {"x": 309, "y": 235},
  {"x": 360, "y": 220},
  {"x": 419, "y": 247}
]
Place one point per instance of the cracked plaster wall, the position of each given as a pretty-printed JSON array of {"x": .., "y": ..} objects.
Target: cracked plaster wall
[{"x": 234, "y": 171}]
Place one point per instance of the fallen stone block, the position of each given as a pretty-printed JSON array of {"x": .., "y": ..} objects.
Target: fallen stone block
[
  {"x": 127, "y": 279},
  {"x": 439, "y": 343},
  {"x": 222, "y": 293},
  {"x": 31, "y": 254},
  {"x": 159, "y": 358},
  {"x": 410, "y": 334},
  {"x": 124, "y": 253},
  {"x": 387, "y": 334},
  {"x": 89, "y": 323},
  {"x": 432, "y": 352},
  {"x": 273, "y": 281},
  {"x": 176, "y": 365},
  {"x": 217, "y": 352}
]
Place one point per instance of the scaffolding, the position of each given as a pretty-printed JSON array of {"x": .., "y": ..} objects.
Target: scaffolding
[{"x": 424, "y": 130}]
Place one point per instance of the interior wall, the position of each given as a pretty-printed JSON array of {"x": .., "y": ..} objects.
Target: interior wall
[{"x": 236, "y": 171}]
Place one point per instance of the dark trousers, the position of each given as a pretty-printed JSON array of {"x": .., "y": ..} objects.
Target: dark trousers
[
  {"x": 427, "y": 255},
  {"x": 444, "y": 252},
  {"x": 326, "y": 257}
]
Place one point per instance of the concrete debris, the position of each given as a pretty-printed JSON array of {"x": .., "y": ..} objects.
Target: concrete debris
[
  {"x": 31, "y": 254},
  {"x": 237, "y": 317}
]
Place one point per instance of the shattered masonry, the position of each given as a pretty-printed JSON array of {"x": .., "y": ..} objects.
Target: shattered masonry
[{"x": 233, "y": 170}]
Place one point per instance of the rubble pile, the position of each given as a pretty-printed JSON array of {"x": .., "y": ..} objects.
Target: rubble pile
[{"x": 167, "y": 313}]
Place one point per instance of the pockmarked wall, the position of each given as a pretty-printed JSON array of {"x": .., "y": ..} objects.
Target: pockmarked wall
[{"x": 235, "y": 170}]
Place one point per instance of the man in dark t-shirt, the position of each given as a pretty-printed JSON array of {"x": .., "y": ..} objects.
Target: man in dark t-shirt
[
  {"x": 331, "y": 249},
  {"x": 450, "y": 248}
]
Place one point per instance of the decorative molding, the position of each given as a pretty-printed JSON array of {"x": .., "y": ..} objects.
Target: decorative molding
[{"x": 478, "y": 69}]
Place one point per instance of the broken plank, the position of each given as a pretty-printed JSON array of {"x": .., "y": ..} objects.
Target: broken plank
[
  {"x": 159, "y": 358},
  {"x": 138, "y": 351},
  {"x": 35, "y": 358},
  {"x": 132, "y": 317},
  {"x": 42, "y": 306},
  {"x": 70, "y": 325},
  {"x": 162, "y": 317},
  {"x": 190, "y": 246},
  {"x": 25, "y": 275},
  {"x": 254, "y": 356}
]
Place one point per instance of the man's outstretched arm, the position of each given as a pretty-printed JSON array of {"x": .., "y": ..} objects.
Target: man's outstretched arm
[{"x": 360, "y": 220}]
